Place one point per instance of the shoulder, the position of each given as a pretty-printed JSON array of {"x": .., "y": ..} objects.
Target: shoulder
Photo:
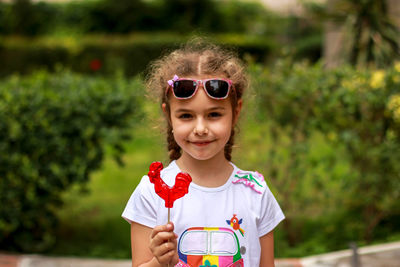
[
  {"x": 144, "y": 185},
  {"x": 253, "y": 180}
]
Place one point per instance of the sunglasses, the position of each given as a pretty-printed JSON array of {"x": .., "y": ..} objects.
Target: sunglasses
[{"x": 184, "y": 88}]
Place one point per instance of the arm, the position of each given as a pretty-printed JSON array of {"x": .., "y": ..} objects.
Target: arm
[
  {"x": 153, "y": 247},
  {"x": 267, "y": 250}
]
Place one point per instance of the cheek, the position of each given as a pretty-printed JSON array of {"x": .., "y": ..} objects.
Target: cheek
[
  {"x": 181, "y": 130},
  {"x": 223, "y": 128}
]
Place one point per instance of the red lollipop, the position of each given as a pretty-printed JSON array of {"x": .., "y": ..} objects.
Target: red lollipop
[{"x": 169, "y": 194}]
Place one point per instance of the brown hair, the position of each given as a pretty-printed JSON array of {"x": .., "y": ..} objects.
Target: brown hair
[{"x": 197, "y": 57}]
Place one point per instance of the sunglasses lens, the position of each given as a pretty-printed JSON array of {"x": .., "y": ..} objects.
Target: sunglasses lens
[
  {"x": 217, "y": 88},
  {"x": 184, "y": 88}
]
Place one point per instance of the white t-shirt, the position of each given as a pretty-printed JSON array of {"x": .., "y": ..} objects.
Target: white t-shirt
[{"x": 215, "y": 226}]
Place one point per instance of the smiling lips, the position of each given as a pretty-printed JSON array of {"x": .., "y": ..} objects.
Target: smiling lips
[{"x": 200, "y": 143}]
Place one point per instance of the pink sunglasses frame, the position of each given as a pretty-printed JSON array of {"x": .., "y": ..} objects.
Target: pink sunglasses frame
[{"x": 198, "y": 83}]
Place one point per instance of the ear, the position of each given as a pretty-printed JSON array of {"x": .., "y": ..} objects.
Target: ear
[
  {"x": 166, "y": 112},
  {"x": 164, "y": 109},
  {"x": 237, "y": 111}
]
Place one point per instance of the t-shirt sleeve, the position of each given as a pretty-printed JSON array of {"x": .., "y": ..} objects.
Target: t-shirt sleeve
[
  {"x": 270, "y": 213},
  {"x": 141, "y": 206}
]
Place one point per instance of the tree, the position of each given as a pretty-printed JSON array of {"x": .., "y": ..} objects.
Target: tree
[{"x": 361, "y": 32}]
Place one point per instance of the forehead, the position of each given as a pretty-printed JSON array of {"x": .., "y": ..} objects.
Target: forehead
[{"x": 200, "y": 101}]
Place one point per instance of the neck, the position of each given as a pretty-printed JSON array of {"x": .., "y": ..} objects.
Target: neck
[{"x": 212, "y": 172}]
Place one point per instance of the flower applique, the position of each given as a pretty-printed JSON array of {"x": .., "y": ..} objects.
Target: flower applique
[{"x": 250, "y": 179}]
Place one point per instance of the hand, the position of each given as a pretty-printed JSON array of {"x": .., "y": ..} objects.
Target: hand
[{"x": 163, "y": 245}]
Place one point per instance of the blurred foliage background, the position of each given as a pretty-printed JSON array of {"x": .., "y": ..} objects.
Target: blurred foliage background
[{"x": 321, "y": 120}]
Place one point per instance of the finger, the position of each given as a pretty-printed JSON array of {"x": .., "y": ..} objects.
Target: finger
[
  {"x": 162, "y": 238},
  {"x": 174, "y": 241},
  {"x": 167, "y": 247},
  {"x": 158, "y": 229},
  {"x": 162, "y": 243},
  {"x": 162, "y": 228},
  {"x": 175, "y": 259},
  {"x": 166, "y": 252},
  {"x": 162, "y": 233},
  {"x": 162, "y": 250}
]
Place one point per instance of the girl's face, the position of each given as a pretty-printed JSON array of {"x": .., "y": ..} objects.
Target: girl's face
[{"x": 201, "y": 125}]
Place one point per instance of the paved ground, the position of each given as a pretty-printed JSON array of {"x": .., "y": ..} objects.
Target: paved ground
[
  {"x": 41, "y": 261},
  {"x": 386, "y": 255}
]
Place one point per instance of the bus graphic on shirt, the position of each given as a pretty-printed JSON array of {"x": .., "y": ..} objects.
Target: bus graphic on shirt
[{"x": 209, "y": 247}]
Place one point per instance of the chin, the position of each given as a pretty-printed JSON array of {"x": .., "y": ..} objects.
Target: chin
[{"x": 204, "y": 157}]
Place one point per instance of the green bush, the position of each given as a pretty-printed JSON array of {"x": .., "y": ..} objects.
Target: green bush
[
  {"x": 54, "y": 130},
  {"x": 103, "y": 16},
  {"x": 353, "y": 197},
  {"x": 26, "y": 18},
  {"x": 130, "y": 53}
]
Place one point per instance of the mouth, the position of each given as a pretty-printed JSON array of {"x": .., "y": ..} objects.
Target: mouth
[{"x": 201, "y": 143}]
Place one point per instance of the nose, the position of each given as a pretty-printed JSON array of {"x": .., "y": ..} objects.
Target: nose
[{"x": 201, "y": 127}]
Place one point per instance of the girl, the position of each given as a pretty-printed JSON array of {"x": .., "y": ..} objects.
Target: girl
[{"x": 228, "y": 216}]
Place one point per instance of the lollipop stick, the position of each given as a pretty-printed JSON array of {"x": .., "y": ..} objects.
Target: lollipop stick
[{"x": 169, "y": 218}]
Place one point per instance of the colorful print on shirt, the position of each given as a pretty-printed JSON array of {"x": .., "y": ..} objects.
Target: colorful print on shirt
[
  {"x": 209, "y": 247},
  {"x": 250, "y": 179},
  {"x": 235, "y": 223}
]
